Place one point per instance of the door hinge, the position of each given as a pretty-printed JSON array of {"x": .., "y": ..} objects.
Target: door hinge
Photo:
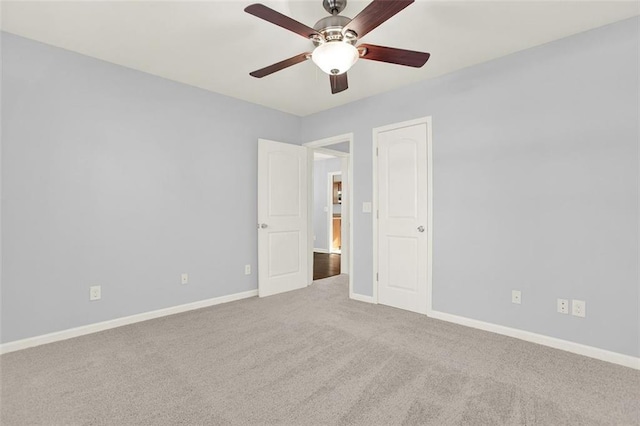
[
  {"x": 377, "y": 277},
  {"x": 377, "y": 214},
  {"x": 376, "y": 152}
]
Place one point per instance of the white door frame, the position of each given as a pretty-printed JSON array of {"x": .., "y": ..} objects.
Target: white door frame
[
  {"x": 318, "y": 146},
  {"x": 376, "y": 131},
  {"x": 330, "y": 176}
]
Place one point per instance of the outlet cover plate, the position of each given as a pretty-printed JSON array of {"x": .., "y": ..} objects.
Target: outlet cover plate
[
  {"x": 247, "y": 269},
  {"x": 95, "y": 292},
  {"x": 184, "y": 278},
  {"x": 579, "y": 308},
  {"x": 563, "y": 306},
  {"x": 516, "y": 297}
]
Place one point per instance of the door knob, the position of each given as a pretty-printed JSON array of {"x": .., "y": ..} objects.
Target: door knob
[
  {"x": 420, "y": 228},
  {"x": 263, "y": 225}
]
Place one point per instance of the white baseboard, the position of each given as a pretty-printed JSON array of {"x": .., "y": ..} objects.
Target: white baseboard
[
  {"x": 361, "y": 298},
  {"x": 320, "y": 250},
  {"x": 565, "y": 345},
  {"x": 30, "y": 342}
]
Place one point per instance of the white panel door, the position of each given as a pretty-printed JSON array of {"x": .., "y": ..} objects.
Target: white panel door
[
  {"x": 282, "y": 217},
  {"x": 402, "y": 223}
]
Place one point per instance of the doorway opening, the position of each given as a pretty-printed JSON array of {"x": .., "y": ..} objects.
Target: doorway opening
[
  {"x": 334, "y": 199},
  {"x": 327, "y": 215},
  {"x": 330, "y": 230}
]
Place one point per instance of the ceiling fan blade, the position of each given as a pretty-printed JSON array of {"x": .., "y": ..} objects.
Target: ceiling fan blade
[
  {"x": 375, "y": 14},
  {"x": 270, "y": 15},
  {"x": 392, "y": 55},
  {"x": 338, "y": 83},
  {"x": 280, "y": 65}
]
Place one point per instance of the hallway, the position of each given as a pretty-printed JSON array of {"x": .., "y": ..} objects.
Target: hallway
[{"x": 325, "y": 265}]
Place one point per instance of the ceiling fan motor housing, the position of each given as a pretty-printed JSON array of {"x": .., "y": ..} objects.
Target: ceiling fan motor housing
[{"x": 331, "y": 29}]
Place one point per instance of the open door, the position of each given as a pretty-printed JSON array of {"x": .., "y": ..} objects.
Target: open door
[{"x": 282, "y": 217}]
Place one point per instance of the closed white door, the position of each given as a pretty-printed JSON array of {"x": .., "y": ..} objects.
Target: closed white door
[
  {"x": 282, "y": 217},
  {"x": 402, "y": 217}
]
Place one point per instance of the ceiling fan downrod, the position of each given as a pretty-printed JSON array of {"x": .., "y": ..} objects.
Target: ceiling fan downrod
[{"x": 334, "y": 7}]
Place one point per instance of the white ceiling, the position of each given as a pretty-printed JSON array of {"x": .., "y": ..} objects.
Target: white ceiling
[{"x": 215, "y": 44}]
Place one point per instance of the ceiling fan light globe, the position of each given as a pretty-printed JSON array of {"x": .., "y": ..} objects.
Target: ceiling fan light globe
[{"x": 335, "y": 57}]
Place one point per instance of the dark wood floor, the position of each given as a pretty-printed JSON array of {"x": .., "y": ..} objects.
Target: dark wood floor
[{"x": 325, "y": 265}]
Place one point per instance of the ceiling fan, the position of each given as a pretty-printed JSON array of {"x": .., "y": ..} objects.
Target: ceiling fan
[{"x": 335, "y": 38}]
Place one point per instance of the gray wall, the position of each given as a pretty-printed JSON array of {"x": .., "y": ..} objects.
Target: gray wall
[
  {"x": 118, "y": 178},
  {"x": 342, "y": 147},
  {"x": 114, "y": 177},
  {"x": 320, "y": 182},
  {"x": 535, "y": 185}
]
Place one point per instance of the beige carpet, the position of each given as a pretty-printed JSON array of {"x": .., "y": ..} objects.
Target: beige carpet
[{"x": 310, "y": 357}]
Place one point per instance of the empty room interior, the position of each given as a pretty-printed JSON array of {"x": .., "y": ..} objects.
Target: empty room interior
[{"x": 376, "y": 212}]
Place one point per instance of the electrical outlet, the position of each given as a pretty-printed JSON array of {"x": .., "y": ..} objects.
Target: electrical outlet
[
  {"x": 247, "y": 269},
  {"x": 95, "y": 292},
  {"x": 579, "y": 308},
  {"x": 184, "y": 278},
  {"x": 516, "y": 297},
  {"x": 563, "y": 306}
]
